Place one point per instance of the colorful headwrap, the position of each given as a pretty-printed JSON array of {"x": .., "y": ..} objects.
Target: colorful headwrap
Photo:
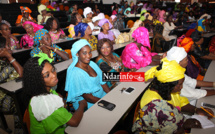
[
  {"x": 161, "y": 13},
  {"x": 135, "y": 26},
  {"x": 189, "y": 32},
  {"x": 41, "y": 8},
  {"x": 81, "y": 27},
  {"x": 39, "y": 35},
  {"x": 25, "y": 9},
  {"x": 42, "y": 57},
  {"x": 44, "y": 1},
  {"x": 143, "y": 11},
  {"x": 141, "y": 35},
  {"x": 142, "y": 17},
  {"x": 171, "y": 71},
  {"x": 127, "y": 9},
  {"x": 148, "y": 16},
  {"x": 186, "y": 43},
  {"x": 103, "y": 21},
  {"x": 201, "y": 27},
  {"x": 176, "y": 53},
  {"x": 36, "y": 26},
  {"x": 53, "y": 4}
]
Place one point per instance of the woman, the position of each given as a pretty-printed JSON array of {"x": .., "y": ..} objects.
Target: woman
[
  {"x": 75, "y": 19},
  {"x": 53, "y": 26},
  {"x": 45, "y": 106},
  {"x": 105, "y": 32},
  {"x": 27, "y": 40},
  {"x": 115, "y": 10},
  {"x": 55, "y": 5},
  {"x": 72, "y": 10},
  {"x": 119, "y": 23},
  {"x": 136, "y": 55},
  {"x": 158, "y": 39},
  {"x": 138, "y": 23},
  {"x": 108, "y": 61},
  {"x": 24, "y": 17},
  {"x": 161, "y": 105},
  {"x": 88, "y": 14},
  {"x": 168, "y": 27},
  {"x": 191, "y": 16},
  {"x": 43, "y": 15},
  {"x": 88, "y": 85},
  {"x": 96, "y": 28},
  {"x": 127, "y": 11},
  {"x": 112, "y": 20},
  {"x": 189, "y": 86},
  {"x": 162, "y": 16},
  {"x": 96, "y": 10},
  {"x": 12, "y": 41},
  {"x": 201, "y": 26},
  {"x": 86, "y": 33},
  {"x": 43, "y": 43}
]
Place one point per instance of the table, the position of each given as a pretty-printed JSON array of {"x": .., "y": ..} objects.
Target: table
[
  {"x": 209, "y": 76},
  {"x": 208, "y": 35},
  {"x": 97, "y": 120}
]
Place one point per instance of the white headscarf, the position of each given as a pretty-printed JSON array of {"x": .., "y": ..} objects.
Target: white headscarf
[
  {"x": 87, "y": 10},
  {"x": 176, "y": 53}
]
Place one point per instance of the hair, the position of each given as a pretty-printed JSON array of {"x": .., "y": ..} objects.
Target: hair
[
  {"x": 148, "y": 27},
  {"x": 74, "y": 18},
  {"x": 158, "y": 29},
  {"x": 164, "y": 89},
  {"x": 1, "y": 24},
  {"x": 33, "y": 81},
  {"x": 2, "y": 42},
  {"x": 49, "y": 23},
  {"x": 101, "y": 43},
  {"x": 167, "y": 18}
]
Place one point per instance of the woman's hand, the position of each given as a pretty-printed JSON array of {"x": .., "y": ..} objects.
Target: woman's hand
[
  {"x": 192, "y": 123},
  {"x": 83, "y": 102},
  {"x": 62, "y": 36},
  {"x": 202, "y": 112},
  {"x": 4, "y": 53}
]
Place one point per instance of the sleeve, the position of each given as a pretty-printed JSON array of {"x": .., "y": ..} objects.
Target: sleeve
[
  {"x": 19, "y": 18},
  {"x": 39, "y": 19},
  {"x": 59, "y": 48},
  {"x": 71, "y": 31},
  {"x": 6, "y": 71},
  {"x": 57, "y": 119},
  {"x": 100, "y": 36},
  {"x": 200, "y": 29},
  {"x": 190, "y": 81},
  {"x": 62, "y": 32},
  {"x": 168, "y": 27},
  {"x": 192, "y": 93},
  {"x": 183, "y": 101},
  {"x": 34, "y": 51}
]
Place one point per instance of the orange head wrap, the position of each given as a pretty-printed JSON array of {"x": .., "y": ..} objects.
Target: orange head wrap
[
  {"x": 44, "y": 1},
  {"x": 25, "y": 9},
  {"x": 186, "y": 43}
]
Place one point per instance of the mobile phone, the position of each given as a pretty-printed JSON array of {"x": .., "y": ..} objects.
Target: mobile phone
[
  {"x": 129, "y": 90},
  {"x": 18, "y": 79},
  {"x": 107, "y": 105},
  {"x": 207, "y": 105}
]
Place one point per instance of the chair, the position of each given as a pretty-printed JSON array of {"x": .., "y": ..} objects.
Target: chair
[
  {"x": 130, "y": 23},
  {"x": 69, "y": 53},
  {"x": 106, "y": 16},
  {"x": 80, "y": 11}
]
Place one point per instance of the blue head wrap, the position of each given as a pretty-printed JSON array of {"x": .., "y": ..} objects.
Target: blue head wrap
[
  {"x": 39, "y": 35},
  {"x": 201, "y": 25},
  {"x": 127, "y": 9},
  {"x": 81, "y": 27}
]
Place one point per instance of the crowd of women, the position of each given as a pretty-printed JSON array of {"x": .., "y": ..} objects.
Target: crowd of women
[{"x": 177, "y": 72}]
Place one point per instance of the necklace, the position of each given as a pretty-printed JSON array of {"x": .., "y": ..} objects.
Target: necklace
[
  {"x": 31, "y": 35},
  {"x": 54, "y": 31},
  {"x": 115, "y": 65}
]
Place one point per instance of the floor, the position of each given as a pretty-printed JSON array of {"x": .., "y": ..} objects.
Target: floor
[{"x": 10, "y": 122}]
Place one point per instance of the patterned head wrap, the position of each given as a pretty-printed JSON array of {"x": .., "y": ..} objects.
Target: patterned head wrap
[
  {"x": 186, "y": 43},
  {"x": 39, "y": 35},
  {"x": 25, "y": 9},
  {"x": 171, "y": 71}
]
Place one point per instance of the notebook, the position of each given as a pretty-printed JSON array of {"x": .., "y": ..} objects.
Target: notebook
[{"x": 204, "y": 121}]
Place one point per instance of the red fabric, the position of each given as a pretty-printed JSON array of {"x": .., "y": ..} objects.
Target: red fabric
[
  {"x": 189, "y": 32},
  {"x": 212, "y": 45}
]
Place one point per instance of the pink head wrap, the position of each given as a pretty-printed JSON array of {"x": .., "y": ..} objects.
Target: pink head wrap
[
  {"x": 141, "y": 35},
  {"x": 161, "y": 13},
  {"x": 36, "y": 26},
  {"x": 113, "y": 17}
]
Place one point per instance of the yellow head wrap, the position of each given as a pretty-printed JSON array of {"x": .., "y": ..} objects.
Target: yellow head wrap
[{"x": 171, "y": 71}]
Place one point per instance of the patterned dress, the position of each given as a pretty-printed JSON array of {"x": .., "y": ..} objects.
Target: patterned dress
[
  {"x": 56, "y": 36},
  {"x": 93, "y": 42}
]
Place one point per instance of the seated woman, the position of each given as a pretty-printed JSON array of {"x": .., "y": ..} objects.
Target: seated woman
[
  {"x": 168, "y": 27},
  {"x": 72, "y": 10},
  {"x": 108, "y": 61},
  {"x": 162, "y": 99},
  {"x": 55, "y": 5},
  {"x": 127, "y": 11},
  {"x": 96, "y": 28},
  {"x": 157, "y": 39},
  {"x": 105, "y": 32},
  {"x": 86, "y": 33},
  {"x": 136, "y": 55},
  {"x": 12, "y": 41},
  {"x": 189, "y": 85},
  {"x": 75, "y": 19},
  {"x": 43, "y": 15},
  {"x": 115, "y": 10},
  {"x": 88, "y": 85},
  {"x": 162, "y": 16},
  {"x": 201, "y": 26},
  {"x": 10, "y": 70},
  {"x": 88, "y": 14},
  {"x": 4, "y": 21},
  {"x": 138, "y": 23},
  {"x": 119, "y": 23},
  {"x": 53, "y": 26},
  {"x": 26, "y": 16},
  {"x": 43, "y": 43},
  {"x": 27, "y": 40},
  {"x": 45, "y": 106},
  {"x": 112, "y": 20}
]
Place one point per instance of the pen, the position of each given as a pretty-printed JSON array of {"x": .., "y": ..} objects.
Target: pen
[{"x": 207, "y": 112}]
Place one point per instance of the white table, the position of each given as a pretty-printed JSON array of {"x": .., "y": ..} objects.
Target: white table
[
  {"x": 209, "y": 76},
  {"x": 97, "y": 120},
  {"x": 207, "y": 35}
]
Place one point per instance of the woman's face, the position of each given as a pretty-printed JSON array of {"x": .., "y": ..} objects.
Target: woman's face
[
  {"x": 170, "y": 19},
  {"x": 89, "y": 15},
  {"x": 88, "y": 31},
  {"x": 50, "y": 76},
  {"x": 44, "y": 12},
  {"x": 79, "y": 18},
  {"x": 84, "y": 55},
  {"x": 106, "y": 26},
  {"x": 106, "y": 49},
  {"x": 127, "y": 12},
  {"x": 183, "y": 63},
  {"x": 96, "y": 23},
  {"x": 54, "y": 25},
  {"x": 29, "y": 28},
  {"x": 5, "y": 30},
  {"x": 178, "y": 87},
  {"x": 46, "y": 39},
  {"x": 26, "y": 15}
]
